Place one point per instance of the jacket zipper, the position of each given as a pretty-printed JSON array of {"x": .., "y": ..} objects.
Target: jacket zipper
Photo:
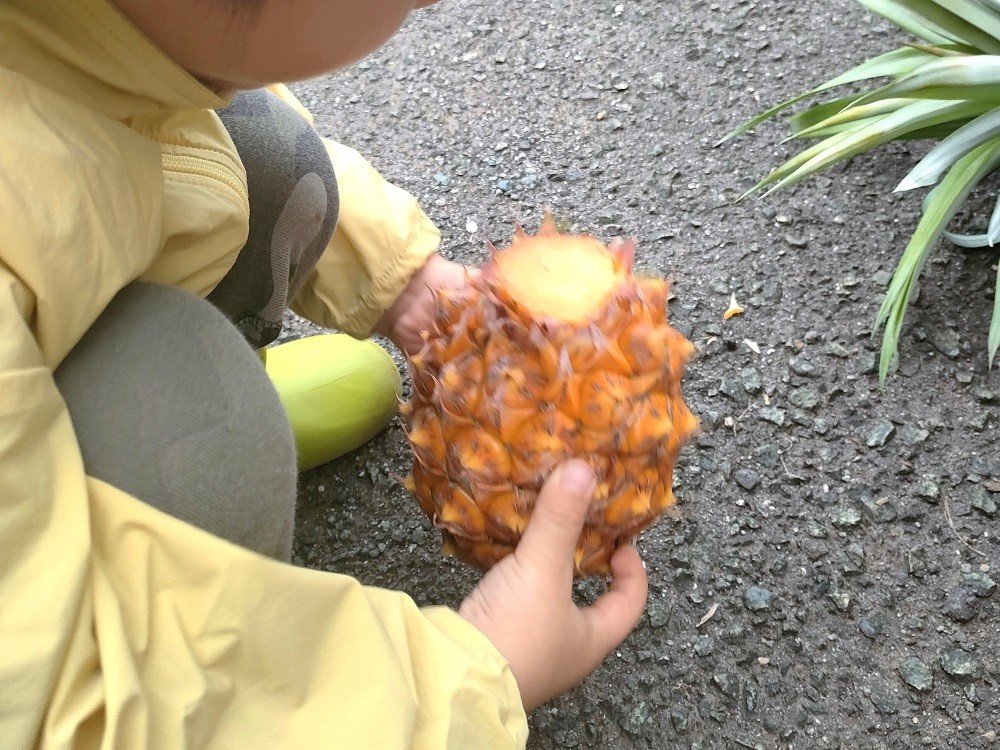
[{"x": 193, "y": 165}]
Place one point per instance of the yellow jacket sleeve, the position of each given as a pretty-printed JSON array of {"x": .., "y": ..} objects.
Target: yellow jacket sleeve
[
  {"x": 220, "y": 647},
  {"x": 122, "y": 627},
  {"x": 382, "y": 238},
  {"x": 125, "y": 628}
]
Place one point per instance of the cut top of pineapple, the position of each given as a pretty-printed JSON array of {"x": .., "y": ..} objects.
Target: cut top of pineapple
[{"x": 566, "y": 278}]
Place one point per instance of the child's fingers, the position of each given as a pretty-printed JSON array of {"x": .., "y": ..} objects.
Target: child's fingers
[
  {"x": 550, "y": 539},
  {"x": 613, "y": 616}
]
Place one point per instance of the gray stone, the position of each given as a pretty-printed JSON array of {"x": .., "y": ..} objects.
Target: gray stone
[
  {"x": 877, "y": 435},
  {"x": 773, "y": 414},
  {"x": 567, "y": 737},
  {"x": 767, "y": 455},
  {"x": 867, "y": 363},
  {"x": 733, "y": 632},
  {"x": 961, "y": 604},
  {"x": 679, "y": 718},
  {"x": 845, "y": 516},
  {"x": 658, "y": 613},
  {"x": 984, "y": 394},
  {"x": 979, "y": 420},
  {"x": 838, "y": 350},
  {"x": 814, "y": 549},
  {"x": 945, "y": 340},
  {"x": 816, "y": 530},
  {"x": 680, "y": 558},
  {"x": 746, "y": 478},
  {"x": 912, "y": 435},
  {"x": 636, "y": 719},
  {"x": 928, "y": 490},
  {"x": 916, "y": 674},
  {"x": 852, "y": 560},
  {"x": 704, "y": 645},
  {"x": 750, "y": 379},
  {"x": 982, "y": 502},
  {"x": 882, "y": 278},
  {"x": 804, "y": 398},
  {"x": 773, "y": 291},
  {"x": 757, "y": 599},
  {"x": 728, "y": 684},
  {"x": 882, "y": 700},
  {"x": 719, "y": 285},
  {"x": 960, "y": 665},
  {"x": 980, "y": 583},
  {"x": 732, "y": 388},
  {"x": 911, "y": 510},
  {"x": 802, "y": 366},
  {"x": 978, "y": 465},
  {"x": 880, "y": 511},
  {"x": 841, "y": 599},
  {"x": 916, "y": 562}
]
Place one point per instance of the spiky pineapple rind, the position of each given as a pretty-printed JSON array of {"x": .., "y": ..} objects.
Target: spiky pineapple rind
[{"x": 502, "y": 396}]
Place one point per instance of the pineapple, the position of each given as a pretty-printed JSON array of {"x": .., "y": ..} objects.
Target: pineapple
[{"x": 554, "y": 351}]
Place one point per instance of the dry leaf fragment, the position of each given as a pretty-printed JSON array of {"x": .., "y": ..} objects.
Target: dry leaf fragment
[
  {"x": 708, "y": 616},
  {"x": 734, "y": 308}
]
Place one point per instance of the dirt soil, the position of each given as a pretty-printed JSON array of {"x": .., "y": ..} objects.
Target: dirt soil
[{"x": 830, "y": 582}]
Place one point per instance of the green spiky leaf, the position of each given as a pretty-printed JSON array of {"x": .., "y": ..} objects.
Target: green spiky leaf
[
  {"x": 913, "y": 116},
  {"x": 946, "y": 88},
  {"x": 971, "y": 77},
  {"x": 895, "y": 63},
  {"x": 951, "y": 149},
  {"x": 933, "y": 22},
  {"x": 847, "y": 115},
  {"x": 942, "y": 205}
]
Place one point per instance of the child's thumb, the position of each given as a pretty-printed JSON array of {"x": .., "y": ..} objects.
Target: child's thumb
[{"x": 557, "y": 520}]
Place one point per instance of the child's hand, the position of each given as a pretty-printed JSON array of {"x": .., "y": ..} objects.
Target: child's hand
[
  {"x": 525, "y": 606},
  {"x": 413, "y": 311}
]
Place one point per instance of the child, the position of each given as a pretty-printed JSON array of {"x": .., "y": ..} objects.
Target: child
[{"x": 147, "y": 470}]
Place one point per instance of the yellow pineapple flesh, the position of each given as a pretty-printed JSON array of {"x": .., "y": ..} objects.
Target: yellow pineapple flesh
[{"x": 556, "y": 350}]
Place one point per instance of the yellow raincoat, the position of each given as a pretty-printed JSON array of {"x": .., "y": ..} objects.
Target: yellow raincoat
[{"x": 121, "y": 627}]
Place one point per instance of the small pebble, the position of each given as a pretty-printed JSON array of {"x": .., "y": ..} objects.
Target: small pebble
[
  {"x": 960, "y": 664},
  {"x": 748, "y": 479},
  {"x": 916, "y": 674},
  {"x": 757, "y": 599},
  {"x": 961, "y": 604},
  {"x": 877, "y": 435}
]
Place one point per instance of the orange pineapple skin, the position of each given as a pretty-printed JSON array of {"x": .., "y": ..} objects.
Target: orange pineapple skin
[{"x": 502, "y": 395}]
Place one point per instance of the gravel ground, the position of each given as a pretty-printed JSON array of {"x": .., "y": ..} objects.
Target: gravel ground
[{"x": 829, "y": 582}]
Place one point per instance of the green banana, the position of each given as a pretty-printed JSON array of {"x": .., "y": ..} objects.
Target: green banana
[{"x": 337, "y": 391}]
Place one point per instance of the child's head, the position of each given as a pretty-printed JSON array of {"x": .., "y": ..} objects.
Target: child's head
[{"x": 249, "y": 43}]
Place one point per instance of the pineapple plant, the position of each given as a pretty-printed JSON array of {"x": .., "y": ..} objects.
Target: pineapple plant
[
  {"x": 944, "y": 85},
  {"x": 555, "y": 350}
]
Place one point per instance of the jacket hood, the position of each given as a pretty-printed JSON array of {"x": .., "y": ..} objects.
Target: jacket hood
[{"x": 88, "y": 51}]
